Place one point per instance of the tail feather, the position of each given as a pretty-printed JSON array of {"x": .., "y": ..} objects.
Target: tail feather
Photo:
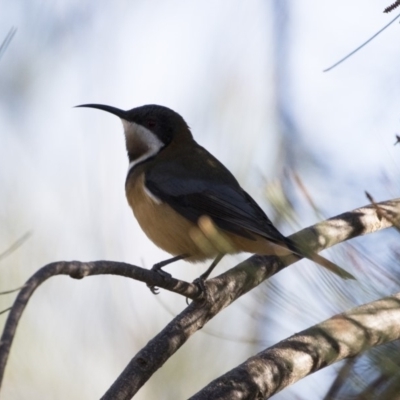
[
  {"x": 329, "y": 265},
  {"x": 322, "y": 261}
]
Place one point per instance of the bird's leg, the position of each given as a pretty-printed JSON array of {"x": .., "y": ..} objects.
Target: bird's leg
[
  {"x": 202, "y": 278},
  {"x": 206, "y": 274},
  {"x": 158, "y": 268}
]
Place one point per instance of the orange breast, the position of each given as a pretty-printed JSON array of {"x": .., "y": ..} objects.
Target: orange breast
[
  {"x": 162, "y": 225},
  {"x": 173, "y": 233}
]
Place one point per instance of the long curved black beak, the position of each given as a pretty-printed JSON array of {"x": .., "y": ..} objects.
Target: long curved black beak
[{"x": 116, "y": 111}]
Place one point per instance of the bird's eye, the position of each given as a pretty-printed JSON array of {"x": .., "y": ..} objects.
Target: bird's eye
[{"x": 151, "y": 123}]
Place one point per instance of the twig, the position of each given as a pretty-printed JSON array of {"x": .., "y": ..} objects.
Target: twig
[
  {"x": 5, "y": 310},
  {"x": 79, "y": 270},
  {"x": 392, "y": 7},
  {"x": 18, "y": 243},
  {"x": 340, "y": 379},
  {"x": 361, "y": 46},
  {"x": 306, "y": 193},
  {"x": 382, "y": 213},
  {"x": 7, "y": 40},
  {"x": 10, "y": 291}
]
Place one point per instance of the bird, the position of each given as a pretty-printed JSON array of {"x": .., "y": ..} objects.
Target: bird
[{"x": 187, "y": 202}]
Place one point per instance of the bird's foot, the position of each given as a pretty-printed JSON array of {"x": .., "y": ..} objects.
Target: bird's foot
[
  {"x": 200, "y": 282},
  {"x": 158, "y": 268}
]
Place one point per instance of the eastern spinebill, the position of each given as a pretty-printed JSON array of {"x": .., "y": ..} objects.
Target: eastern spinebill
[{"x": 186, "y": 201}]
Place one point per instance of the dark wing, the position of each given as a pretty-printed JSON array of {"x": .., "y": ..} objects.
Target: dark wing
[
  {"x": 213, "y": 192},
  {"x": 195, "y": 183}
]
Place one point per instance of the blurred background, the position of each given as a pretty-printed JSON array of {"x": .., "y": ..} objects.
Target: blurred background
[{"x": 247, "y": 77}]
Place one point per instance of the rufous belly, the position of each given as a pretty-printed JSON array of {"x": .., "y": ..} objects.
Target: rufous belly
[
  {"x": 177, "y": 235},
  {"x": 163, "y": 226}
]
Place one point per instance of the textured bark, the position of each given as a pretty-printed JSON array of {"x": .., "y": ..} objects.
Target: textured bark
[
  {"x": 343, "y": 336},
  {"x": 313, "y": 347}
]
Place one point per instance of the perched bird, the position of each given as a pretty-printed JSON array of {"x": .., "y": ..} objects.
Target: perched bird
[{"x": 186, "y": 201}]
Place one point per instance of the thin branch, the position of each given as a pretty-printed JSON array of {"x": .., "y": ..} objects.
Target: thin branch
[
  {"x": 10, "y": 291},
  {"x": 340, "y": 379},
  {"x": 381, "y": 213},
  {"x": 361, "y": 46},
  {"x": 342, "y": 336},
  {"x": 18, "y": 243},
  {"x": 228, "y": 287},
  {"x": 79, "y": 270},
  {"x": 392, "y": 7},
  {"x": 306, "y": 193},
  {"x": 7, "y": 40}
]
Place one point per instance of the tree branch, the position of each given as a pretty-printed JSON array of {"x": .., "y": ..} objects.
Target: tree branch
[
  {"x": 342, "y": 336},
  {"x": 221, "y": 291},
  {"x": 79, "y": 270},
  {"x": 228, "y": 287}
]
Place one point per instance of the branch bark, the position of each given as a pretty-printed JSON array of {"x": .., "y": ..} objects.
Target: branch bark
[
  {"x": 220, "y": 291},
  {"x": 228, "y": 287},
  {"x": 79, "y": 270},
  {"x": 342, "y": 336}
]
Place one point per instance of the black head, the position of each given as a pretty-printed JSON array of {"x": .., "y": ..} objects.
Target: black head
[
  {"x": 148, "y": 130},
  {"x": 165, "y": 123}
]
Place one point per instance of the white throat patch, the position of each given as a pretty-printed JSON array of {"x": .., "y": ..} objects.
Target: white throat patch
[{"x": 143, "y": 137}]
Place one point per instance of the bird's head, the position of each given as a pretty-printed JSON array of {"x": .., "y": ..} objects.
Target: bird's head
[{"x": 148, "y": 129}]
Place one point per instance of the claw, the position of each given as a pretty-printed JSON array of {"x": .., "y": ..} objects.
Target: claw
[
  {"x": 154, "y": 289},
  {"x": 158, "y": 268},
  {"x": 200, "y": 282}
]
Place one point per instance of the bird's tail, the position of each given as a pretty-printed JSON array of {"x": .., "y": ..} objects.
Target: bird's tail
[{"x": 322, "y": 261}]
